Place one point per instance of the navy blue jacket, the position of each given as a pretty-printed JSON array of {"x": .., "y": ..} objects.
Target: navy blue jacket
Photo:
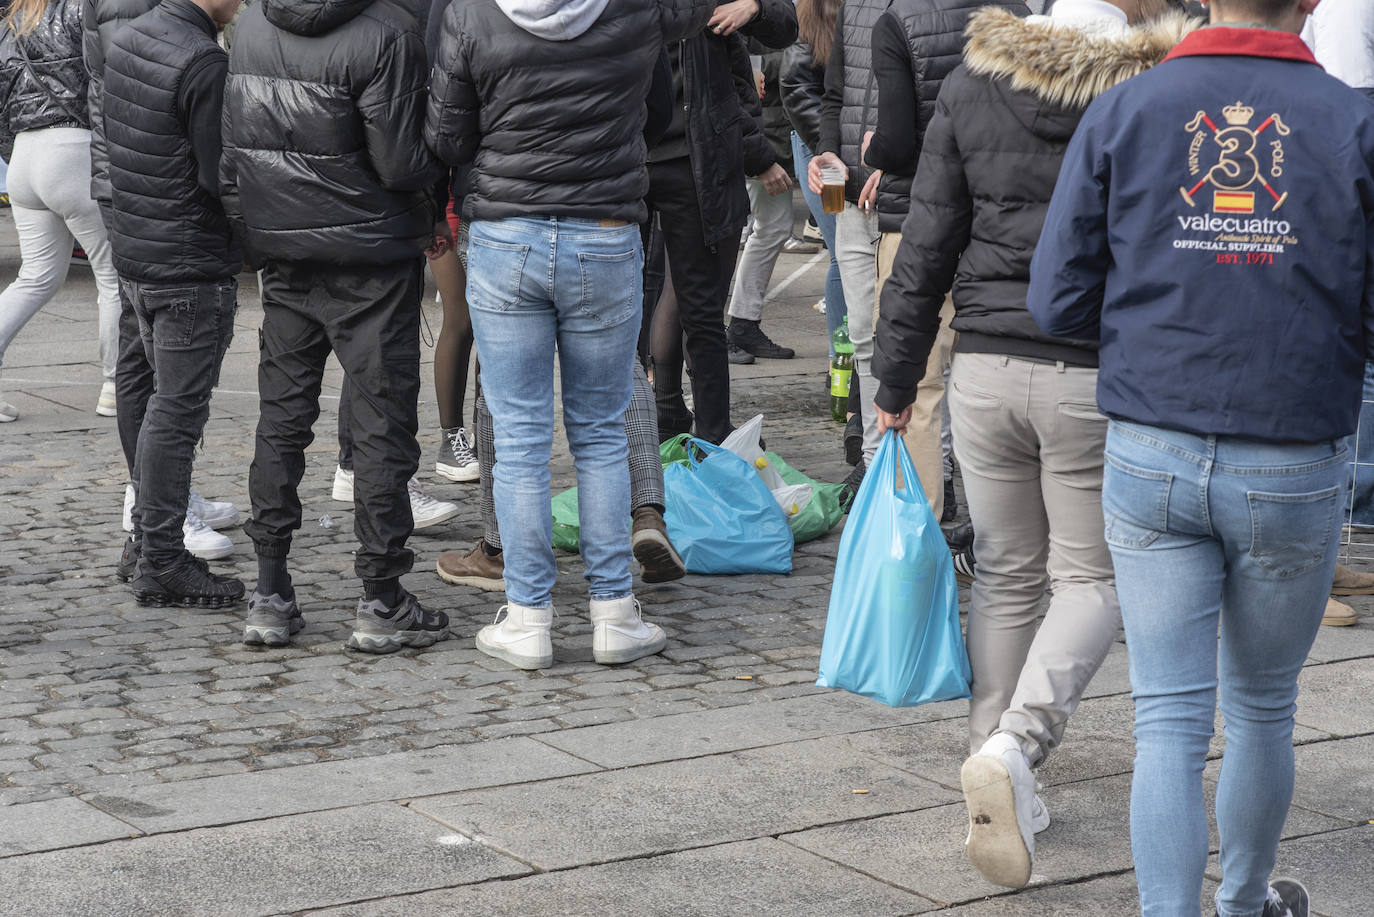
[{"x": 1213, "y": 226}]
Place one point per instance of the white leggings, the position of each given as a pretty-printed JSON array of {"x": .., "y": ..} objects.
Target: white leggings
[{"x": 50, "y": 190}]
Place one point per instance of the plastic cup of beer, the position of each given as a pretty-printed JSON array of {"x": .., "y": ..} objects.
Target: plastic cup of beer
[{"x": 832, "y": 189}]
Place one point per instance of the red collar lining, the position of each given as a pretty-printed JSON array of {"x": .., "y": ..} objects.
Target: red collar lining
[{"x": 1243, "y": 42}]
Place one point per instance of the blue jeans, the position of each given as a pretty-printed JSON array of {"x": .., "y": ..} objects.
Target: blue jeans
[
  {"x": 835, "y": 309},
  {"x": 1216, "y": 535},
  {"x": 186, "y": 329},
  {"x": 536, "y": 285}
]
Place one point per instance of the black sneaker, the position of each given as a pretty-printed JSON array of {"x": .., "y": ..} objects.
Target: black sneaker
[
  {"x": 951, "y": 509},
  {"x": 187, "y": 583},
  {"x": 749, "y": 337},
  {"x": 851, "y": 485},
  {"x": 959, "y": 537},
  {"x": 736, "y": 354},
  {"x": 854, "y": 440},
  {"x": 378, "y": 629},
  {"x": 1287, "y": 898},
  {"x": 964, "y": 565},
  {"x": 128, "y": 559}
]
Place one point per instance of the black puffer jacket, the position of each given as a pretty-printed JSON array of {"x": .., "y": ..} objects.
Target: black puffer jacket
[
  {"x": 916, "y": 44},
  {"x": 100, "y": 20},
  {"x": 988, "y": 168},
  {"x": 53, "y": 49},
  {"x": 554, "y": 126},
  {"x": 724, "y": 127},
  {"x": 323, "y": 120},
  {"x": 849, "y": 108},
  {"x": 803, "y": 83}
]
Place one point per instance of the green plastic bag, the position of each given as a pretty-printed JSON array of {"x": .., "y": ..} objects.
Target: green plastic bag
[
  {"x": 674, "y": 451},
  {"x": 821, "y": 513},
  {"x": 565, "y": 522}
]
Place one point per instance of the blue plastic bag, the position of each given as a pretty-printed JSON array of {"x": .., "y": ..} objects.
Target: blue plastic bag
[
  {"x": 892, "y": 632},
  {"x": 721, "y": 517}
]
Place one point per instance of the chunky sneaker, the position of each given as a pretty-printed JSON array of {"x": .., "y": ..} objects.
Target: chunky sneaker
[
  {"x": 737, "y": 355},
  {"x": 965, "y": 567},
  {"x": 659, "y": 561},
  {"x": 187, "y": 583},
  {"x": 999, "y": 791},
  {"x": 1287, "y": 898},
  {"x": 105, "y": 406},
  {"x": 620, "y": 634},
  {"x": 475, "y": 568},
  {"x": 379, "y": 629},
  {"x": 457, "y": 461},
  {"x": 851, "y": 484},
  {"x": 203, "y": 541},
  {"x": 271, "y": 620},
  {"x": 520, "y": 638},
  {"x": 217, "y": 514},
  {"x": 424, "y": 509},
  {"x": 1348, "y": 582},
  {"x": 749, "y": 337},
  {"x": 128, "y": 559},
  {"x": 1338, "y": 614}
]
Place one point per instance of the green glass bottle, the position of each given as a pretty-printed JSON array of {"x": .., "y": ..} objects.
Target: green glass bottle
[{"x": 841, "y": 370}]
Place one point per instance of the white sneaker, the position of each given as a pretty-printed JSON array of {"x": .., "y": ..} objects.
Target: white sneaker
[
  {"x": 1040, "y": 814},
  {"x": 520, "y": 638},
  {"x": 999, "y": 791},
  {"x": 214, "y": 513},
  {"x": 105, "y": 407},
  {"x": 203, "y": 541},
  {"x": 424, "y": 509},
  {"x": 620, "y": 634},
  {"x": 8, "y": 412}
]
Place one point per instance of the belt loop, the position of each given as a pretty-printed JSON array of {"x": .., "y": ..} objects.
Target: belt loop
[
  {"x": 1004, "y": 361},
  {"x": 1059, "y": 366}
]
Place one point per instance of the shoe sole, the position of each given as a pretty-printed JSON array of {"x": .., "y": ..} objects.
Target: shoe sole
[
  {"x": 995, "y": 847},
  {"x": 265, "y": 636},
  {"x": 221, "y": 522},
  {"x": 215, "y": 554},
  {"x": 630, "y": 653},
  {"x": 658, "y": 561},
  {"x": 162, "y": 600},
  {"x": 1339, "y": 622},
  {"x": 457, "y": 473},
  {"x": 442, "y": 517},
  {"x": 520, "y": 661},
  {"x": 484, "y": 583},
  {"x": 1351, "y": 590},
  {"x": 382, "y": 644},
  {"x": 106, "y": 412}
]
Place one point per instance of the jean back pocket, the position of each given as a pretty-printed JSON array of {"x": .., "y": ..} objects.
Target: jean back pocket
[
  {"x": 1290, "y": 533},
  {"x": 1135, "y": 503}
]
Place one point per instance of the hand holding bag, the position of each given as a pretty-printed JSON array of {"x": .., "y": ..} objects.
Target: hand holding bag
[{"x": 892, "y": 632}]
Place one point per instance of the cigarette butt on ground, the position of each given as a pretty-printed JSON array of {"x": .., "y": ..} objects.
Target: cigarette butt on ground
[
  {"x": 744, "y": 678},
  {"x": 859, "y": 792}
]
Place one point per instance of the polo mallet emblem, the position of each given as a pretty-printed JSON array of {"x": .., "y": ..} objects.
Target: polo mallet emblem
[{"x": 1237, "y": 167}]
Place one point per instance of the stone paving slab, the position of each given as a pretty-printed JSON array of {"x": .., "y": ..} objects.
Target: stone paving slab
[
  {"x": 265, "y": 867},
  {"x": 56, "y": 823},
  {"x": 1325, "y": 693},
  {"x": 645, "y": 742},
  {"x": 763, "y": 878},
  {"x": 314, "y": 787},
  {"x": 663, "y": 808},
  {"x": 1336, "y": 778},
  {"x": 1335, "y": 867}
]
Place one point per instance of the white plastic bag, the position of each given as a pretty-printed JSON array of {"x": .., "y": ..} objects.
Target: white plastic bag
[{"x": 744, "y": 442}]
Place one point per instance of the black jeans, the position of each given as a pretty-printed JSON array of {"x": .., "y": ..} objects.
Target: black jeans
[
  {"x": 369, "y": 316},
  {"x": 134, "y": 378},
  {"x": 701, "y": 277},
  {"x": 185, "y": 328}
]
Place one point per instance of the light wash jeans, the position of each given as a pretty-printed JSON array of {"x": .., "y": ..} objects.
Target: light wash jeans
[
  {"x": 1362, "y": 459},
  {"x": 50, "y": 193},
  {"x": 835, "y": 310},
  {"x": 1216, "y": 535},
  {"x": 536, "y": 285},
  {"x": 772, "y": 227}
]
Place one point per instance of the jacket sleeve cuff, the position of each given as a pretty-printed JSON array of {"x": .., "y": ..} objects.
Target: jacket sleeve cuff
[{"x": 894, "y": 400}]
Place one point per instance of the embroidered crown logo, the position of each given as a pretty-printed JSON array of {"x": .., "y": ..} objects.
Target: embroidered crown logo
[
  {"x": 1237, "y": 167},
  {"x": 1238, "y": 114}
]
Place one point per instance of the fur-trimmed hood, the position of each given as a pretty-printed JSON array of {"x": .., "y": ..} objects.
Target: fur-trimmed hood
[{"x": 1063, "y": 65}]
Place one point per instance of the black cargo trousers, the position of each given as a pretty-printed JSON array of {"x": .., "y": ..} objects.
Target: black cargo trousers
[{"x": 369, "y": 317}]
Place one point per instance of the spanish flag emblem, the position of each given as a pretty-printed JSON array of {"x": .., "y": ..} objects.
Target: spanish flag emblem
[{"x": 1234, "y": 202}]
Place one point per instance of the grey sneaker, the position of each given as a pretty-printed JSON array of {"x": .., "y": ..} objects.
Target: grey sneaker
[
  {"x": 379, "y": 629},
  {"x": 456, "y": 461},
  {"x": 271, "y": 620}
]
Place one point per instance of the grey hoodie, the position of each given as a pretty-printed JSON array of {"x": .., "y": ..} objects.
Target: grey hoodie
[{"x": 553, "y": 20}]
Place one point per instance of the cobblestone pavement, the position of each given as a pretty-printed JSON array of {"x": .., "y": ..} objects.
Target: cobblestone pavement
[{"x": 119, "y": 721}]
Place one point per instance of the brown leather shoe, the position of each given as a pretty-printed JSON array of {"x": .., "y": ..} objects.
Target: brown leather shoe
[
  {"x": 1348, "y": 582},
  {"x": 659, "y": 561},
  {"x": 475, "y": 568},
  {"x": 1338, "y": 614}
]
